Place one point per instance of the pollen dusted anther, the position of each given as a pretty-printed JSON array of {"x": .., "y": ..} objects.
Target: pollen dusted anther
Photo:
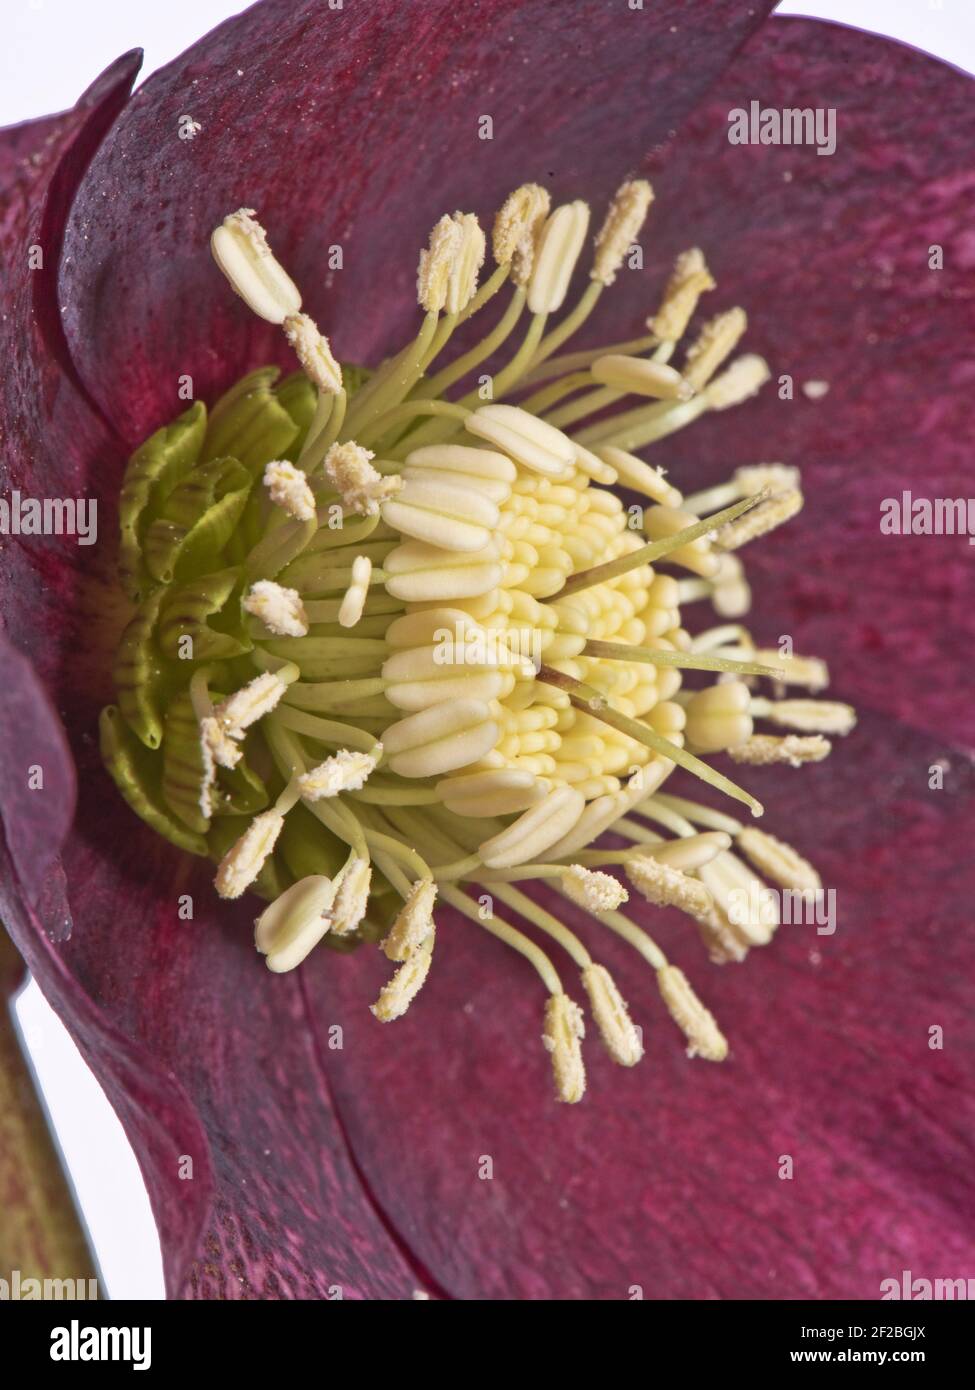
[
  {"x": 359, "y": 486},
  {"x": 288, "y": 488},
  {"x": 434, "y": 656}
]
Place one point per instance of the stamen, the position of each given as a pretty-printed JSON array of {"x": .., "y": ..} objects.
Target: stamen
[
  {"x": 467, "y": 263},
  {"x": 808, "y": 671},
  {"x": 730, "y": 593},
  {"x": 689, "y": 280},
  {"x": 690, "y": 852},
  {"x": 718, "y": 718},
  {"x": 289, "y": 489},
  {"x": 500, "y": 792},
  {"x": 642, "y": 378},
  {"x": 664, "y": 886},
  {"x": 564, "y": 1029},
  {"x": 220, "y": 746},
  {"x": 621, "y": 1039},
  {"x": 313, "y": 352},
  {"x": 716, "y": 341},
  {"x": 808, "y": 716},
  {"x": 744, "y": 378},
  {"x": 361, "y": 488},
  {"x": 209, "y": 779},
  {"x": 516, "y": 227},
  {"x": 352, "y": 899},
  {"x": 742, "y": 899},
  {"x": 626, "y": 215},
  {"x": 510, "y": 935},
  {"x": 344, "y": 771},
  {"x": 778, "y": 861},
  {"x": 448, "y": 514},
  {"x": 280, "y": 610},
  {"x": 559, "y": 247},
  {"x": 752, "y": 477},
  {"x": 240, "y": 248},
  {"x": 774, "y": 512},
  {"x": 642, "y": 477},
  {"x": 414, "y": 922},
  {"x": 596, "y": 892},
  {"x": 725, "y": 943},
  {"x": 244, "y": 860},
  {"x": 294, "y": 923},
  {"x": 762, "y": 750},
  {"x": 531, "y": 442},
  {"x": 436, "y": 264},
  {"x": 354, "y": 601},
  {"x": 396, "y": 997},
  {"x": 780, "y": 477},
  {"x": 535, "y": 830},
  {"x": 246, "y": 706},
  {"x": 703, "y": 1035},
  {"x": 438, "y": 740}
]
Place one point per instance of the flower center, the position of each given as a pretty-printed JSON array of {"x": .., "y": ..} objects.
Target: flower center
[{"x": 393, "y": 637}]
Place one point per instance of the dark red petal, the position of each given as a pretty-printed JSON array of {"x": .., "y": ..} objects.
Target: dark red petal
[
  {"x": 355, "y": 126},
  {"x": 829, "y": 254},
  {"x": 37, "y": 777},
  {"x": 197, "y": 1062},
  {"x": 51, "y": 437},
  {"x": 201, "y": 1054},
  {"x": 667, "y": 1176},
  {"x": 208, "y": 1058},
  {"x": 222, "y": 1030}
]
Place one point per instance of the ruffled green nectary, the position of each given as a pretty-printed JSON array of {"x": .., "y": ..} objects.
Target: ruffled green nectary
[
  {"x": 138, "y": 777},
  {"x": 191, "y": 510},
  {"x": 197, "y": 520},
  {"x": 154, "y": 470},
  {"x": 182, "y": 628}
]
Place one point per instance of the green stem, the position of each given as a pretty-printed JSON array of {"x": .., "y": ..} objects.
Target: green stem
[
  {"x": 408, "y": 410},
  {"x": 570, "y": 324},
  {"x": 509, "y": 935},
  {"x": 578, "y": 361},
  {"x": 438, "y": 384},
  {"x": 41, "y": 1233}
]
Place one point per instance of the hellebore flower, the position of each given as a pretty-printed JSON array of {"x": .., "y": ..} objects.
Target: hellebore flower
[{"x": 326, "y": 1155}]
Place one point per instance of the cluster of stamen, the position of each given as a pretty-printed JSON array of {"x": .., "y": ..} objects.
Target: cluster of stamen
[{"x": 397, "y": 640}]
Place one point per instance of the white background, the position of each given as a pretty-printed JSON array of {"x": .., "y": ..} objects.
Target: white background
[{"x": 49, "y": 51}]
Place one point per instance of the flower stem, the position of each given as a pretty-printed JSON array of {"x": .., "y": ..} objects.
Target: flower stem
[{"x": 41, "y": 1233}]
